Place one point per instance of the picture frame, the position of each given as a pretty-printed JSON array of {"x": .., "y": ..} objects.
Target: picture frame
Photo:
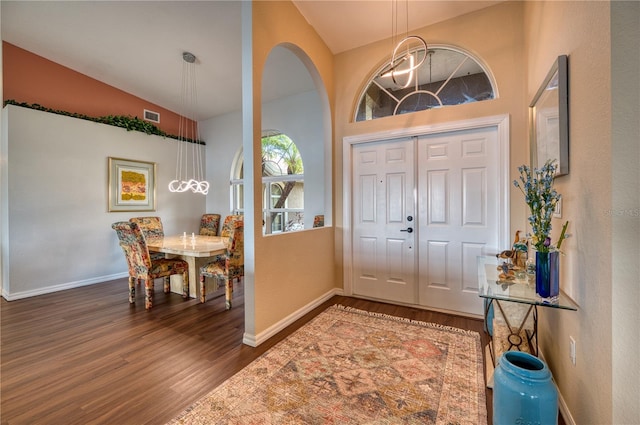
[
  {"x": 131, "y": 185},
  {"x": 549, "y": 119}
]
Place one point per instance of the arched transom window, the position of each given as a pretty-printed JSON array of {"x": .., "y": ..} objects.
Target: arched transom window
[{"x": 446, "y": 77}]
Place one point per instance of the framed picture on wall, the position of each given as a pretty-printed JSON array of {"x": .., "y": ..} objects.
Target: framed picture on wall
[
  {"x": 549, "y": 119},
  {"x": 132, "y": 185}
]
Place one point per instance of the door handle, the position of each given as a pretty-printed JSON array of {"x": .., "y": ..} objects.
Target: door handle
[{"x": 408, "y": 230}]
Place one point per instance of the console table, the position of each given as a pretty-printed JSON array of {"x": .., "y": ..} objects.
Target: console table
[{"x": 521, "y": 290}]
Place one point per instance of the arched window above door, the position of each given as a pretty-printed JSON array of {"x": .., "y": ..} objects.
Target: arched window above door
[{"x": 448, "y": 76}]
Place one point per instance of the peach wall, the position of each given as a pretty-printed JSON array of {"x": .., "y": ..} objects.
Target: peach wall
[
  {"x": 581, "y": 30},
  {"x": 33, "y": 79},
  {"x": 293, "y": 269},
  {"x": 493, "y": 35}
]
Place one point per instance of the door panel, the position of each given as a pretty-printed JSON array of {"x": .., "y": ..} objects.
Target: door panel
[
  {"x": 383, "y": 199},
  {"x": 458, "y": 207}
]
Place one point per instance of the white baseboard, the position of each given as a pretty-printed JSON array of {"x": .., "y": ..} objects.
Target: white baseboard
[
  {"x": 61, "y": 287},
  {"x": 255, "y": 340}
]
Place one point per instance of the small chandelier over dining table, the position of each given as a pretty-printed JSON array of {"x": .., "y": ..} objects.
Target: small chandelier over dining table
[{"x": 189, "y": 158}]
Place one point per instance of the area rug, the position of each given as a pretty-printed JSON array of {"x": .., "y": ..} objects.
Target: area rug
[{"x": 349, "y": 366}]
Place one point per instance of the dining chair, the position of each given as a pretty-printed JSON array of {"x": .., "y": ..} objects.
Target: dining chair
[
  {"x": 151, "y": 228},
  {"x": 230, "y": 265},
  {"x": 143, "y": 268},
  {"x": 209, "y": 224}
]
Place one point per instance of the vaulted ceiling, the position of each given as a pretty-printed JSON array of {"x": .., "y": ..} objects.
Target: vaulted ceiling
[{"x": 137, "y": 46}]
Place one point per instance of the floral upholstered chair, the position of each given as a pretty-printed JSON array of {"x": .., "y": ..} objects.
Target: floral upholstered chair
[
  {"x": 230, "y": 265},
  {"x": 209, "y": 224},
  {"x": 151, "y": 228},
  {"x": 142, "y": 268}
]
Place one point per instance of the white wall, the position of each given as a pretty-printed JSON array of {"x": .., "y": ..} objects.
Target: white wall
[{"x": 56, "y": 228}]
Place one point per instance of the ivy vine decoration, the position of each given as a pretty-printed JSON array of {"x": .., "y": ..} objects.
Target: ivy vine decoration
[{"x": 123, "y": 121}]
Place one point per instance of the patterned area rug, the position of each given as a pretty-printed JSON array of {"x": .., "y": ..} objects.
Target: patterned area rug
[{"x": 349, "y": 366}]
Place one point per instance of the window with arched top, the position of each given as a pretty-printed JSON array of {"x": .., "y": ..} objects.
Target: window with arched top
[
  {"x": 447, "y": 76},
  {"x": 282, "y": 184}
]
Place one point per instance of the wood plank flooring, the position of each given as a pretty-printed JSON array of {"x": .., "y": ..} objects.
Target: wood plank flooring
[{"x": 85, "y": 356}]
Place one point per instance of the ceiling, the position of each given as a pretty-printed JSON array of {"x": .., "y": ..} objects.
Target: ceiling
[{"x": 137, "y": 46}]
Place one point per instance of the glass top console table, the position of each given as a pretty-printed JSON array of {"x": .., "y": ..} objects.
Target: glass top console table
[{"x": 521, "y": 290}]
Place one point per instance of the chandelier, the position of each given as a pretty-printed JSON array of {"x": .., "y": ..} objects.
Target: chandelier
[
  {"x": 189, "y": 159},
  {"x": 405, "y": 58}
]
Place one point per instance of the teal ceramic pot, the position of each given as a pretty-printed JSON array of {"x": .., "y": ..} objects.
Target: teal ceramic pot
[
  {"x": 488, "y": 323},
  {"x": 523, "y": 392}
]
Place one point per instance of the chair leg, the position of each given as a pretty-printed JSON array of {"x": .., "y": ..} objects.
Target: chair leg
[
  {"x": 167, "y": 284},
  {"x": 203, "y": 293},
  {"x": 132, "y": 290},
  {"x": 148, "y": 294},
  {"x": 228, "y": 294},
  {"x": 185, "y": 285}
]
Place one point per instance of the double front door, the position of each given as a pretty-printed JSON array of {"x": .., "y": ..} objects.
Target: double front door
[{"x": 423, "y": 209}]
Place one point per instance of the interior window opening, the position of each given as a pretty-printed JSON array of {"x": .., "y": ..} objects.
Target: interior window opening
[{"x": 282, "y": 185}]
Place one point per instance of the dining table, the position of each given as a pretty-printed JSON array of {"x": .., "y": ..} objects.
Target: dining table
[{"x": 196, "y": 250}]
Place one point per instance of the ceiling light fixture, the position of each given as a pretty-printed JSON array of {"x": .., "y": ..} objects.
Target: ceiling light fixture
[
  {"x": 190, "y": 146},
  {"x": 404, "y": 57}
]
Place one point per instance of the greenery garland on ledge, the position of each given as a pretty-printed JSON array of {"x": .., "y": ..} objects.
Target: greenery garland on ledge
[{"x": 127, "y": 122}]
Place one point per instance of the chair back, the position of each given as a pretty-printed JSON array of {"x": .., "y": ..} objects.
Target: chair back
[
  {"x": 229, "y": 223},
  {"x": 233, "y": 238},
  {"x": 209, "y": 224},
  {"x": 151, "y": 226},
  {"x": 135, "y": 248},
  {"x": 234, "y": 242}
]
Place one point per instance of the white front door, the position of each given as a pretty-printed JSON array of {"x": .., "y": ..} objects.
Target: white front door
[
  {"x": 383, "y": 212},
  {"x": 448, "y": 187},
  {"x": 459, "y": 215}
]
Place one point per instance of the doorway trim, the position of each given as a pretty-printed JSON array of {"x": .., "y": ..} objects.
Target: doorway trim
[{"x": 501, "y": 122}]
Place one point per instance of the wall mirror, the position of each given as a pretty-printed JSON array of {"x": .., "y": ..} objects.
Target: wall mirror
[{"x": 549, "y": 119}]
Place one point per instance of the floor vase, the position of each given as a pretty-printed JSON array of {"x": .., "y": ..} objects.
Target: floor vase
[
  {"x": 547, "y": 274},
  {"x": 523, "y": 392}
]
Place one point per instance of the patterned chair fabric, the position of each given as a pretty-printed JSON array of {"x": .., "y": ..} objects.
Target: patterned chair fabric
[
  {"x": 228, "y": 266},
  {"x": 209, "y": 224},
  {"x": 142, "y": 267},
  {"x": 151, "y": 228}
]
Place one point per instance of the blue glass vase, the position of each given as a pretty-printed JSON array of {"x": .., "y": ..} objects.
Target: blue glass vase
[
  {"x": 523, "y": 392},
  {"x": 547, "y": 275}
]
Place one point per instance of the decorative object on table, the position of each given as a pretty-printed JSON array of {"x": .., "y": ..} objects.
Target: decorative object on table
[
  {"x": 523, "y": 391},
  {"x": 353, "y": 367},
  {"x": 517, "y": 255},
  {"x": 549, "y": 119},
  {"x": 132, "y": 185},
  {"x": 520, "y": 248},
  {"x": 142, "y": 268},
  {"x": 190, "y": 155},
  {"x": 541, "y": 197}
]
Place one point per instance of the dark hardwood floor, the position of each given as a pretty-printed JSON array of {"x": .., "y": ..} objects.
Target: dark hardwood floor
[{"x": 85, "y": 356}]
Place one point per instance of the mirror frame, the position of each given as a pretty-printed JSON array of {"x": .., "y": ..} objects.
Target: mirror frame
[{"x": 550, "y": 129}]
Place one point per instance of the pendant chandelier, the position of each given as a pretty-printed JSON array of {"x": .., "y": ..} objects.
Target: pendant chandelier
[
  {"x": 189, "y": 159},
  {"x": 405, "y": 54}
]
